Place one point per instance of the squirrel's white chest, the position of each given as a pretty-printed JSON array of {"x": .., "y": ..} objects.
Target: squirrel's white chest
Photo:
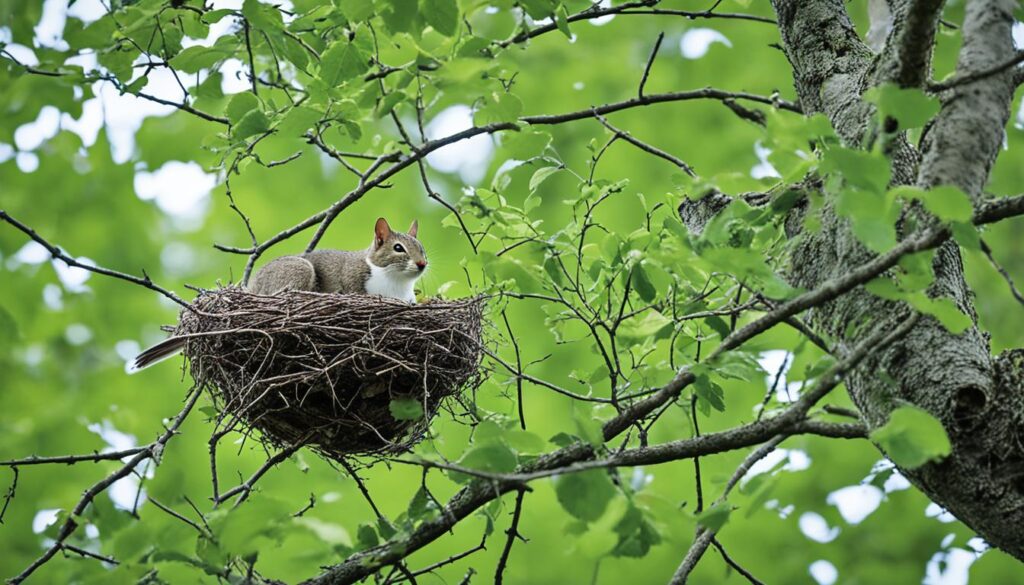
[{"x": 386, "y": 283}]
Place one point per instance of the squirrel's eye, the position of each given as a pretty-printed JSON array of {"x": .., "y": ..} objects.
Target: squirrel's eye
[{"x": 399, "y": 248}]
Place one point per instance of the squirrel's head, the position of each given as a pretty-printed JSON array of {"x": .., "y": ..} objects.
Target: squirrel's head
[{"x": 398, "y": 251}]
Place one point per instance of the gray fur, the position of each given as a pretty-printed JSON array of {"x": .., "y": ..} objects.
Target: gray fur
[{"x": 341, "y": 271}]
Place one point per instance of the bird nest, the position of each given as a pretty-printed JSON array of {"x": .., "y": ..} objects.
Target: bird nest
[{"x": 343, "y": 374}]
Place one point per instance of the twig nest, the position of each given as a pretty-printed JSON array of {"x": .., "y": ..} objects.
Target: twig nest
[{"x": 344, "y": 374}]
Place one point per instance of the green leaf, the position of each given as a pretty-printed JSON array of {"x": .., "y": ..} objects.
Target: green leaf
[
  {"x": 252, "y": 123},
  {"x": 912, "y": 437},
  {"x": 297, "y": 121},
  {"x": 651, "y": 324},
  {"x": 215, "y": 16},
  {"x": 911, "y": 107},
  {"x": 709, "y": 393},
  {"x": 406, "y": 409},
  {"x": 945, "y": 310},
  {"x": 93, "y": 36},
  {"x": 636, "y": 534},
  {"x": 860, "y": 169},
  {"x": 947, "y": 202},
  {"x": 526, "y": 144},
  {"x": 193, "y": 59},
  {"x": 357, "y": 10},
  {"x": 342, "y": 61},
  {"x": 367, "y": 536},
  {"x": 500, "y": 108},
  {"x": 872, "y": 216},
  {"x": 493, "y": 456},
  {"x": 715, "y": 517},
  {"x": 541, "y": 175},
  {"x": 585, "y": 495},
  {"x": 587, "y": 425},
  {"x": 966, "y": 234},
  {"x": 443, "y": 15},
  {"x": 643, "y": 285},
  {"x": 240, "y": 105},
  {"x": 538, "y": 9},
  {"x": 387, "y": 103},
  {"x": 421, "y": 506},
  {"x": 400, "y": 15},
  {"x": 262, "y": 16},
  {"x": 562, "y": 21},
  {"x": 210, "y": 88}
]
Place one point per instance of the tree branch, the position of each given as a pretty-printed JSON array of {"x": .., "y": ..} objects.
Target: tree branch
[
  {"x": 57, "y": 253},
  {"x": 965, "y": 78},
  {"x": 512, "y": 534},
  {"x": 153, "y": 450},
  {"x": 638, "y": 7},
  {"x": 479, "y": 492},
  {"x": 72, "y": 459},
  {"x": 907, "y": 58}
]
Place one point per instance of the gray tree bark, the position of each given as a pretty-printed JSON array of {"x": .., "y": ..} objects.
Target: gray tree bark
[{"x": 979, "y": 399}]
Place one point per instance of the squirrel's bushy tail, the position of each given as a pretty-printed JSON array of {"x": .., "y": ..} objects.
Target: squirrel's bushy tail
[{"x": 158, "y": 353}]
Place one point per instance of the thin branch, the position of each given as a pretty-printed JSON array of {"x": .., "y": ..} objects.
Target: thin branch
[
  {"x": 775, "y": 384},
  {"x": 841, "y": 411},
  {"x": 1002, "y": 271},
  {"x": 793, "y": 423},
  {"x": 71, "y": 523},
  {"x": 519, "y": 369},
  {"x": 447, "y": 561},
  {"x": 512, "y": 534},
  {"x": 309, "y": 506},
  {"x": 736, "y": 566},
  {"x": 959, "y": 80},
  {"x": 10, "y": 494},
  {"x": 543, "y": 383},
  {"x": 170, "y": 511},
  {"x": 646, "y": 147},
  {"x": 183, "y": 106},
  {"x": 638, "y": 7},
  {"x": 72, "y": 459},
  {"x": 705, "y": 535},
  {"x": 362, "y": 488},
  {"x": 88, "y": 554},
  {"x": 252, "y": 62},
  {"x": 244, "y": 489},
  {"x": 650, "y": 62},
  {"x": 56, "y": 252},
  {"x": 658, "y": 98},
  {"x": 437, "y": 197}
]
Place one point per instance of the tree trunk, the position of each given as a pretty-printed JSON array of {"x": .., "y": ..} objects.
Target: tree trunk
[{"x": 979, "y": 399}]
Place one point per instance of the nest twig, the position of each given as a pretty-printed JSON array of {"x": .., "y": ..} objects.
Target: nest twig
[{"x": 331, "y": 371}]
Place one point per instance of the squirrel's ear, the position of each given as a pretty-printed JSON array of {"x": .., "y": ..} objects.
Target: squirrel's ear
[
  {"x": 414, "y": 228},
  {"x": 381, "y": 230}
]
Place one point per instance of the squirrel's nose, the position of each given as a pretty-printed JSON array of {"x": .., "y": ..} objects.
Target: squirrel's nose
[{"x": 422, "y": 264}]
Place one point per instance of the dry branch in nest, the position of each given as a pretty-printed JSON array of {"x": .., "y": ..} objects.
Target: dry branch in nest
[{"x": 342, "y": 374}]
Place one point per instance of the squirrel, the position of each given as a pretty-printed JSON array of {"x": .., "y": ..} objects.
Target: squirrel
[{"x": 389, "y": 268}]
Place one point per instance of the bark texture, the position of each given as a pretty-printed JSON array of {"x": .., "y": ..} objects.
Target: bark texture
[{"x": 978, "y": 399}]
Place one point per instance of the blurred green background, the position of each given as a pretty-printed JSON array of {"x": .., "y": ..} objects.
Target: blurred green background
[{"x": 124, "y": 198}]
